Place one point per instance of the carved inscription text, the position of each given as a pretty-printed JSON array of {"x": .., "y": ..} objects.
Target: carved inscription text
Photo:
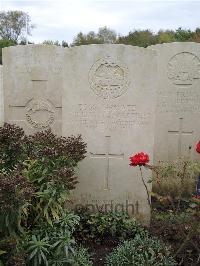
[
  {"x": 179, "y": 101},
  {"x": 111, "y": 116}
]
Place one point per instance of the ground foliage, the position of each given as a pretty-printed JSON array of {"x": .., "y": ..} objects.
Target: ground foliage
[
  {"x": 176, "y": 209},
  {"x": 99, "y": 227},
  {"x": 140, "y": 251},
  {"x": 37, "y": 173}
]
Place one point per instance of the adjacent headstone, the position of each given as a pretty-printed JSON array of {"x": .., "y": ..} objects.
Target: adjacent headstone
[
  {"x": 32, "y": 86},
  {"x": 109, "y": 98},
  {"x": 1, "y": 97},
  {"x": 178, "y": 100}
]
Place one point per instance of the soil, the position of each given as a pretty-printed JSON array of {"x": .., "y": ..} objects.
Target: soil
[
  {"x": 99, "y": 251},
  {"x": 173, "y": 235}
]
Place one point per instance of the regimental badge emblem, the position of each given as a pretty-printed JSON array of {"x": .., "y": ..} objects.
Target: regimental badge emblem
[
  {"x": 40, "y": 113},
  {"x": 109, "y": 78},
  {"x": 183, "y": 68}
]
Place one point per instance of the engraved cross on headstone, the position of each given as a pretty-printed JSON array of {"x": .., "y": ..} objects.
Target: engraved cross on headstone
[
  {"x": 108, "y": 156},
  {"x": 38, "y": 92},
  {"x": 180, "y": 133},
  {"x": 39, "y": 88}
]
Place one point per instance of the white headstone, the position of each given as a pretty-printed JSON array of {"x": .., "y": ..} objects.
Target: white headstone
[
  {"x": 109, "y": 98},
  {"x": 177, "y": 117},
  {"x": 32, "y": 86}
]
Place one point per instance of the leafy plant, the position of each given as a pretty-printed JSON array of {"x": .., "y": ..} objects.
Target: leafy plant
[
  {"x": 64, "y": 245},
  {"x": 16, "y": 193},
  {"x": 50, "y": 167},
  {"x": 140, "y": 251},
  {"x": 38, "y": 251},
  {"x": 52, "y": 249},
  {"x": 81, "y": 257},
  {"x": 37, "y": 173},
  {"x": 49, "y": 202},
  {"x": 171, "y": 217},
  {"x": 67, "y": 222},
  {"x": 57, "y": 237},
  {"x": 98, "y": 226},
  {"x": 12, "y": 149}
]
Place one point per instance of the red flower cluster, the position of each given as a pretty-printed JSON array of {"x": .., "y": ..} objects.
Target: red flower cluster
[
  {"x": 198, "y": 147},
  {"x": 140, "y": 159}
]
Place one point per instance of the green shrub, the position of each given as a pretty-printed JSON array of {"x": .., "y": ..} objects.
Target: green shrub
[
  {"x": 175, "y": 183},
  {"x": 16, "y": 193},
  {"x": 57, "y": 248},
  {"x": 46, "y": 161},
  {"x": 37, "y": 173},
  {"x": 140, "y": 251},
  {"x": 51, "y": 168},
  {"x": 52, "y": 244},
  {"x": 12, "y": 149},
  {"x": 81, "y": 257},
  {"x": 172, "y": 217},
  {"x": 176, "y": 179},
  {"x": 98, "y": 226}
]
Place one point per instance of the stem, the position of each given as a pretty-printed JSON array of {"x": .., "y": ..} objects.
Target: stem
[{"x": 148, "y": 197}]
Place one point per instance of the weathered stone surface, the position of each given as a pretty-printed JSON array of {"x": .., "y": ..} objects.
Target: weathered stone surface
[
  {"x": 1, "y": 96},
  {"x": 177, "y": 116},
  {"x": 32, "y": 86},
  {"x": 109, "y": 98}
]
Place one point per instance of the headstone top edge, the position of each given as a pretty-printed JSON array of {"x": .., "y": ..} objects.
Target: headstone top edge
[
  {"x": 32, "y": 46},
  {"x": 104, "y": 46},
  {"x": 172, "y": 44}
]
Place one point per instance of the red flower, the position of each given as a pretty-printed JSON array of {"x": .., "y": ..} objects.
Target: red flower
[
  {"x": 198, "y": 147},
  {"x": 140, "y": 159}
]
